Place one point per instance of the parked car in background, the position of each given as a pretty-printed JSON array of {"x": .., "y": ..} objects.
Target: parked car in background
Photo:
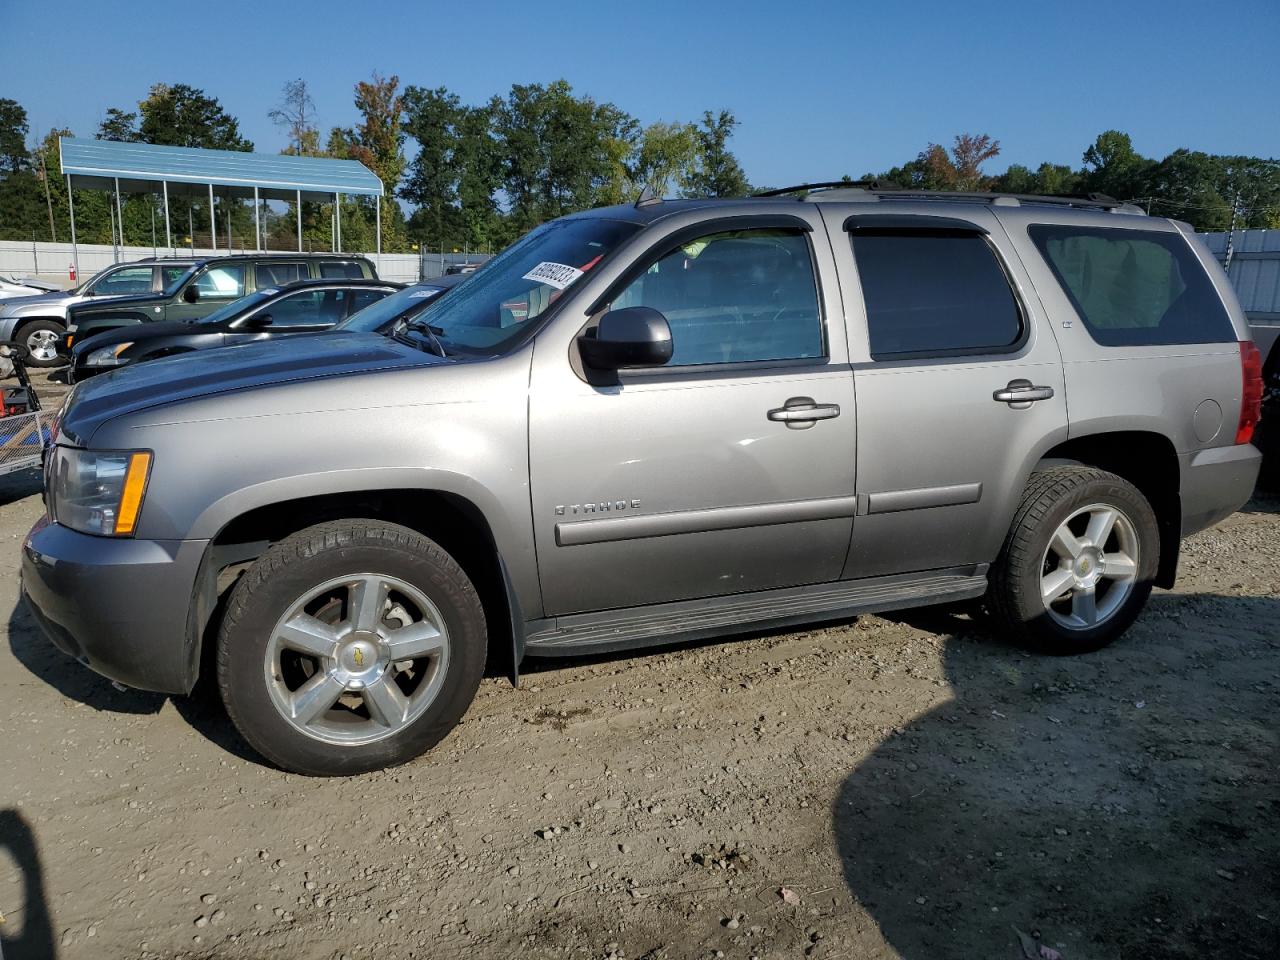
[
  {"x": 640, "y": 425},
  {"x": 39, "y": 321},
  {"x": 306, "y": 306},
  {"x": 211, "y": 284},
  {"x": 13, "y": 287},
  {"x": 402, "y": 306}
]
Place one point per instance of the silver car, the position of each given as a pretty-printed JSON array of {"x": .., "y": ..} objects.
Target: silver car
[
  {"x": 647, "y": 424},
  {"x": 38, "y": 321}
]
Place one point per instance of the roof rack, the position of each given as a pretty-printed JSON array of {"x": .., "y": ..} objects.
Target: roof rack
[
  {"x": 883, "y": 190},
  {"x": 828, "y": 184}
]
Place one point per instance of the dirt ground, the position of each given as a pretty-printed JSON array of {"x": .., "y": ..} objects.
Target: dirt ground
[{"x": 891, "y": 787}]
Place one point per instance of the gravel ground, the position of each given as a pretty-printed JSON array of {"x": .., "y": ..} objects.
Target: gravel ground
[{"x": 891, "y": 787}]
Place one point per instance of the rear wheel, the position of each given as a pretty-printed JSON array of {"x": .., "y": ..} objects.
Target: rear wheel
[
  {"x": 42, "y": 339},
  {"x": 349, "y": 647},
  {"x": 1078, "y": 564}
]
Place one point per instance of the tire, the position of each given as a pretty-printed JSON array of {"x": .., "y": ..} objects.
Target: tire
[
  {"x": 280, "y": 654},
  {"x": 43, "y": 339},
  {"x": 1036, "y": 559}
]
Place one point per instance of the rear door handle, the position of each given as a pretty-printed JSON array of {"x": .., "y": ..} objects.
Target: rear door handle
[
  {"x": 800, "y": 413},
  {"x": 1020, "y": 394}
]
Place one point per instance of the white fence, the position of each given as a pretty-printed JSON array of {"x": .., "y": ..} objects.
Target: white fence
[{"x": 52, "y": 261}]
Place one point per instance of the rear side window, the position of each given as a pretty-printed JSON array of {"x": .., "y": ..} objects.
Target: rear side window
[
  {"x": 224, "y": 282},
  {"x": 1134, "y": 287},
  {"x": 932, "y": 293},
  {"x": 340, "y": 270},
  {"x": 278, "y": 274}
]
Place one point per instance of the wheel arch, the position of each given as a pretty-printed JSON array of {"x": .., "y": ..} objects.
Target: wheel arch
[
  {"x": 1149, "y": 461},
  {"x": 455, "y": 521}
]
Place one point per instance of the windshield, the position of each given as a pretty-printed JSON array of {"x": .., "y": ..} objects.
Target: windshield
[
  {"x": 495, "y": 307},
  {"x": 237, "y": 307},
  {"x": 384, "y": 312}
]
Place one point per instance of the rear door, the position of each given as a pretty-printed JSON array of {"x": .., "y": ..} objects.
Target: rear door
[{"x": 959, "y": 381}]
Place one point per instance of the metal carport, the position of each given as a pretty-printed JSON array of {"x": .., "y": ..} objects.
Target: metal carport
[{"x": 139, "y": 167}]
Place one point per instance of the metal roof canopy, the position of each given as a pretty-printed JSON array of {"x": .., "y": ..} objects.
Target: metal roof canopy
[
  {"x": 185, "y": 171},
  {"x": 98, "y": 163}
]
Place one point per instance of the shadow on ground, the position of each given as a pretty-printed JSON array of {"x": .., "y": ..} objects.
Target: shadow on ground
[
  {"x": 1124, "y": 804},
  {"x": 26, "y": 932},
  {"x": 202, "y": 709}
]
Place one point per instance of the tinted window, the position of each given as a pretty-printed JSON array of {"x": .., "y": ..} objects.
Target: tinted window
[
  {"x": 735, "y": 297},
  {"x": 934, "y": 293},
  {"x": 1134, "y": 287},
  {"x": 340, "y": 270},
  {"x": 278, "y": 274},
  {"x": 308, "y": 307},
  {"x": 357, "y": 300},
  {"x": 225, "y": 282},
  {"x": 170, "y": 275},
  {"x": 126, "y": 281}
]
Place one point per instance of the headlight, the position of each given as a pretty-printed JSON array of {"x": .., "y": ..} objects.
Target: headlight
[
  {"x": 98, "y": 492},
  {"x": 107, "y": 356}
]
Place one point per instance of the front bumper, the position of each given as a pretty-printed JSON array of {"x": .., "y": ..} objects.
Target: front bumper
[
  {"x": 1216, "y": 483},
  {"x": 120, "y": 606}
]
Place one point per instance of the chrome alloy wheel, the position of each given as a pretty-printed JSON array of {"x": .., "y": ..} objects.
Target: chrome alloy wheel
[
  {"x": 1090, "y": 567},
  {"x": 357, "y": 659},
  {"x": 43, "y": 345}
]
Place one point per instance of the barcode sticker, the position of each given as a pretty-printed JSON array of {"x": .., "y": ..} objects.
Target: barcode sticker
[{"x": 558, "y": 275}]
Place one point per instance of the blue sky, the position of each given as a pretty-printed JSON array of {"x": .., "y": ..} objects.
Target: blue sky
[{"x": 821, "y": 89}]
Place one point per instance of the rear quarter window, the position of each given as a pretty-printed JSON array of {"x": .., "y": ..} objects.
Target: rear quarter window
[{"x": 1134, "y": 287}]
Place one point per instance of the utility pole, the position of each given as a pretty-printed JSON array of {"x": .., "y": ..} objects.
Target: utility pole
[{"x": 44, "y": 175}]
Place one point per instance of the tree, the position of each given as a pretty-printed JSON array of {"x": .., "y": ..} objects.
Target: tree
[
  {"x": 119, "y": 125},
  {"x": 667, "y": 158},
  {"x": 719, "y": 173},
  {"x": 13, "y": 135},
  {"x": 296, "y": 114},
  {"x": 1113, "y": 167},
  {"x": 560, "y": 152},
  {"x": 183, "y": 116}
]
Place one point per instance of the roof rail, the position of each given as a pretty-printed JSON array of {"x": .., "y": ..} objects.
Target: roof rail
[
  {"x": 870, "y": 185},
  {"x": 879, "y": 190}
]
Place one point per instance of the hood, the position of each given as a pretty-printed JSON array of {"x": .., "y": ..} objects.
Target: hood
[
  {"x": 142, "y": 331},
  {"x": 250, "y": 366},
  {"x": 91, "y": 306},
  {"x": 12, "y": 305}
]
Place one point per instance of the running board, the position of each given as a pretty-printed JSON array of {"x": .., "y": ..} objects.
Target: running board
[{"x": 683, "y": 620}]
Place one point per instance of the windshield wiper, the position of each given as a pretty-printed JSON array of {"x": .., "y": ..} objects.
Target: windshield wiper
[{"x": 421, "y": 326}]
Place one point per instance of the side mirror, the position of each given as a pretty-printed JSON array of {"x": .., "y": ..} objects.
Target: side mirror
[
  {"x": 191, "y": 294},
  {"x": 260, "y": 321},
  {"x": 630, "y": 337}
]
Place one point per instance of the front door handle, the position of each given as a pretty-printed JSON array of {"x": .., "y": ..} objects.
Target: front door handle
[
  {"x": 800, "y": 413},
  {"x": 1020, "y": 394}
]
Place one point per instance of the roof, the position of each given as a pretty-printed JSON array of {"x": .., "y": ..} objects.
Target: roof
[{"x": 142, "y": 166}]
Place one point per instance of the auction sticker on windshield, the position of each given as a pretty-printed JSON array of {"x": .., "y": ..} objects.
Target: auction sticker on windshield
[{"x": 558, "y": 275}]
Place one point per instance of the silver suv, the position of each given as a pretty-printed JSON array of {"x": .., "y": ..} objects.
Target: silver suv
[{"x": 647, "y": 424}]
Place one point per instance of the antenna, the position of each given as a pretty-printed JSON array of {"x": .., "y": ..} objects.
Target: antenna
[{"x": 647, "y": 197}]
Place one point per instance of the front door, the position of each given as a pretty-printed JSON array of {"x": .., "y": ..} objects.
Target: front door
[
  {"x": 217, "y": 285},
  {"x": 728, "y": 469},
  {"x": 960, "y": 388}
]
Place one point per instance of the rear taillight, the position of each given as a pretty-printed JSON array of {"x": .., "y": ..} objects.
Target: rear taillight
[{"x": 1251, "y": 391}]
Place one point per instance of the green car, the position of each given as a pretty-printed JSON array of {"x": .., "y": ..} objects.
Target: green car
[{"x": 212, "y": 283}]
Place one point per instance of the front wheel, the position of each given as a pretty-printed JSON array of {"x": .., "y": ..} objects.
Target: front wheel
[
  {"x": 350, "y": 646},
  {"x": 1078, "y": 563}
]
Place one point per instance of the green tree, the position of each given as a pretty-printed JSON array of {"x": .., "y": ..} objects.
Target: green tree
[
  {"x": 667, "y": 159},
  {"x": 13, "y": 135},
  {"x": 183, "y": 116},
  {"x": 719, "y": 173},
  {"x": 378, "y": 143},
  {"x": 119, "y": 125},
  {"x": 1113, "y": 167}
]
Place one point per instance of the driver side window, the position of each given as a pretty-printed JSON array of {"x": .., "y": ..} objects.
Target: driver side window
[{"x": 735, "y": 297}]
